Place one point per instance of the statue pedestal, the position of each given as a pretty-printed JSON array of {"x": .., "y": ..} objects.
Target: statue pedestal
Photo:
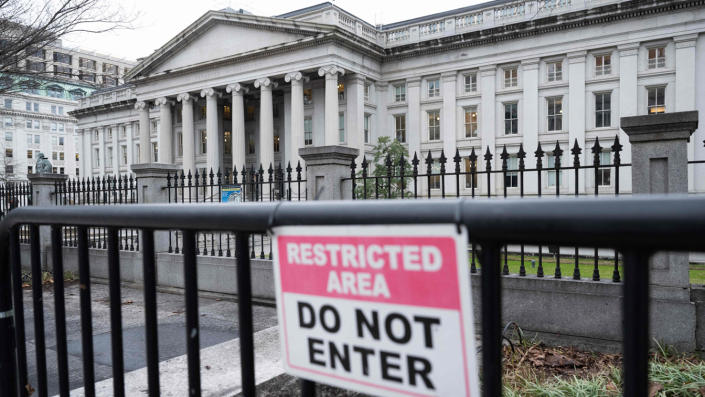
[{"x": 43, "y": 188}]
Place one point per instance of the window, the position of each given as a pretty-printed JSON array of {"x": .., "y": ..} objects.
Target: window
[
  {"x": 54, "y": 170},
  {"x": 308, "y": 96},
  {"x": 400, "y": 93},
  {"x": 95, "y": 135},
  {"x": 87, "y": 76},
  {"x": 603, "y": 65},
  {"x": 251, "y": 143},
  {"x": 34, "y": 66},
  {"x": 511, "y": 119},
  {"x": 8, "y": 122},
  {"x": 53, "y": 126},
  {"x": 87, "y": 63},
  {"x": 8, "y": 104},
  {"x": 37, "y": 139},
  {"x": 28, "y": 124},
  {"x": 276, "y": 143},
  {"x": 341, "y": 91},
  {"x": 8, "y": 153},
  {"x": 555, "y": 113},
  {"x": 77, "y": 94},
  {"x": 657, "y": 57},
  {"x": 603, "y": 109},
  {"x": 204, "y": 141},
  {"x": 434, "y": 88},
  {"x": 123, "y": 154},
  {"x": 228, "y": 146},
  {"x": 110, "y": 81},
  {"x": 96, "y": 158},
  {"x": 36, "y": 52},
  {"x": 29, "y": 154},
  {"x": 367, "y": 92},
  {"x": 54, "y": 156},
  {"x": 29, "y": 169},
  {"x": 308, "y": 131},
  {"x": 9, "y": 169},
  {"x": 54, "y": 140},
  {"x": 366, "y": 127},
  {"x": 471, "y": 122},
  {"x": 61, "y": 110},
  {"x": 470, "y": 179},
  {"x": 511, "y": 178},
  {"x": 55, "y": 91},
  {"x": 110, "y": 69},
  {"x": 61, "y": 170},
  {"x": 341, "y": 127},
  {"x": 60, "y": 57},
  {"x": 28, "y": 106},
  {"x": 551, "y": 167},
  {"x": 511, "y": 78},
  {"x": 36, "y": 107},
  {"x": 470, "y": 82},
  {"x": 555, "y": 71},
  {"x": 77, "y": 172},
  {"x": 434, "y": 125},
  {"x": 604, "y": 175},
  {"x": 36, "y": 125},
  {"x": 110, "y": 134},
  {"x": 400, "y": 127},
  {"x": 155, "y": 152},
  {"x": 435, "y": 179},
  {"x": 154, "y": 126},
  {"x": 53, "y": 109},
  {"x": 657, "y": 100},
  {"x": 180, "y": 144},
  {"x": 137, "y": 152},
  {"x": 61, "y": 141},
  {"x": 63, "y": 71},
  {"x": 8, "y": 136},
  {"x": 61, "y": 156}
]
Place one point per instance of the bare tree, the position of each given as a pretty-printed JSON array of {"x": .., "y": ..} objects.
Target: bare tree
[{"x": 27, "y": 27}]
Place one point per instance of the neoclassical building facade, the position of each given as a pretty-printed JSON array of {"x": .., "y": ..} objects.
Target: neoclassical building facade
[{"x": 236, "y": 89}]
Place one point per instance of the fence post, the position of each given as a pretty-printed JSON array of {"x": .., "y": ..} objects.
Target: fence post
[
  {"x": 326, "y": 167},
  {"x": 659, "y": 146},
  {"x": 43, "y": 194},
  {"x": 151, "y": 189}
]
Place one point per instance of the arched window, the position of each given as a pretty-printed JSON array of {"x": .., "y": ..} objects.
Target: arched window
[
  {"x": 30, "y": 87},
  {"x": 77, "y": 94},
  {"x": 55, "y": 91}
]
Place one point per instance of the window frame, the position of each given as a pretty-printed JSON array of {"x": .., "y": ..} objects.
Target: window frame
[
  {"x": 554, "y": 114},
  {"x": 556, "y": 74},
  {"x": 603, "y": 116},
  {"x": 471, "y": 85},
  {"x": 511, "y": 80},
  {"x": 400, "y": 93},
  {"x": 603, "y": 69},
  {"x": 433, "y": 128},
  {"x": 400, "y": 129},
  {"x": 512, "y": 122},
  {"x": 469, "y": 123},
  {"x": 660, "y": 107},
  {"x": 433, "y": 88},
  {"x": 659, "y": 59}
]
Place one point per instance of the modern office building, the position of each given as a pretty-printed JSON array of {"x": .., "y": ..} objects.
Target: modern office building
[
  {"x": 234, "y": 88},
  {"x": 35, "y": 116}
]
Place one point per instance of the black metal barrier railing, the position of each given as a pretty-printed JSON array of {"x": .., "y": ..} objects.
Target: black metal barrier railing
[{"x": 636, "y": 227}]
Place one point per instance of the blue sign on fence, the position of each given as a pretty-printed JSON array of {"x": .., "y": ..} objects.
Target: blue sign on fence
[{"x": 231, "y": 194}]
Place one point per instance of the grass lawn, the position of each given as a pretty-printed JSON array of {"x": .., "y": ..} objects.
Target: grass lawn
[{"x": 585, "y": 265}]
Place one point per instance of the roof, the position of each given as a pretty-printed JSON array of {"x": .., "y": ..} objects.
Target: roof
[
  {"x": 305, "y": 10},
  {"x": 442, "y": 14}
]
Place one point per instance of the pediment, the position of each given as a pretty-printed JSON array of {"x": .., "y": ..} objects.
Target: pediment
[{"x": 216, "y": 36}]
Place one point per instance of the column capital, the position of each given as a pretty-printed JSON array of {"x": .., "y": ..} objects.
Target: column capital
[
  {"x": 141, "y": 105},
  {"x": 488, "y": 70},
  {"x": 208, "y": 92},
  {"x": 686, "y": 40},
  {"x": 331, "y": 71},
  {"x": 237, "y": 89},
  {"x": 628, "y": 49},
  {"x": 163, "y": 101},
  {"x": 449, "y": 76},
  {"x": 185, "y": 97},
  {"x": 413, "y": 81},
  {"x": 265, "y": 82},
  {"x": 577, "y": 56},
  {"x": 295, "y": 76}
]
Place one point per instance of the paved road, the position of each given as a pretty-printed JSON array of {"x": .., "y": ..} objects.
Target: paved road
[{"x": 218, "y": 323}]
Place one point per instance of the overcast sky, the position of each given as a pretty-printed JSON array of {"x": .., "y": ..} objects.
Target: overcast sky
[{"x": 158, "y": 21}]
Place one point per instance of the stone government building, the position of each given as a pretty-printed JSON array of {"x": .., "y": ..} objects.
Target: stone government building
[{"x": 234, "y": 88}]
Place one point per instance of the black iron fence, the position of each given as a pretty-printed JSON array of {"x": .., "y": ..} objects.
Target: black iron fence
[
  {"x": 636, "y": 227},
  {"x": 107, "y": 190},
  {"x": 248, "y": 185},
  {"x": 473, "y": 177},
  {"x": 13, "y": 195}
]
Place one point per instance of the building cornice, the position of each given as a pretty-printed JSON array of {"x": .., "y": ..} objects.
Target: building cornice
[
  {"x": 127, "y": 104},
  {"x": 42, "y": 116},
  {"x": 599, "y": 15}
]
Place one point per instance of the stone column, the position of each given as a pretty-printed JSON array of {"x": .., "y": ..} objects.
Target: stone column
[
  {"x": 413, "y": 122},
  {"x": 297, "y": 117},
  {"x": 331, "y": 107},
  {"x": 102, "y": 151},
  {"x": 685, "y": 93},
  {"x": 488, "y": 127},
  {"x": 145, "y": 147},
  {"x": 43, "y": 186},
  {"x": 659, "y": 146},
  {"x": 187, "y": 133},
  {"x": 448, "y": 125},
  {"x": 166, "y": 133},
  {"x": 383, "y": 123},
  {"x": 266, "y": 123},
  {"x": 116, "y": 149},
  {"x": 530, "y": 117},
  {"x": 326, "y": 166},
  {"x": 355, "y": 117},
  {"x": 213, "y": 143},
  {"x": 150, "y": 180},
  {"x": 628, "y": 93},
  {"x": 239, "y": 148},
  {"x": 85, "y": 156},
  {"x": 576, "y": 114}
]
